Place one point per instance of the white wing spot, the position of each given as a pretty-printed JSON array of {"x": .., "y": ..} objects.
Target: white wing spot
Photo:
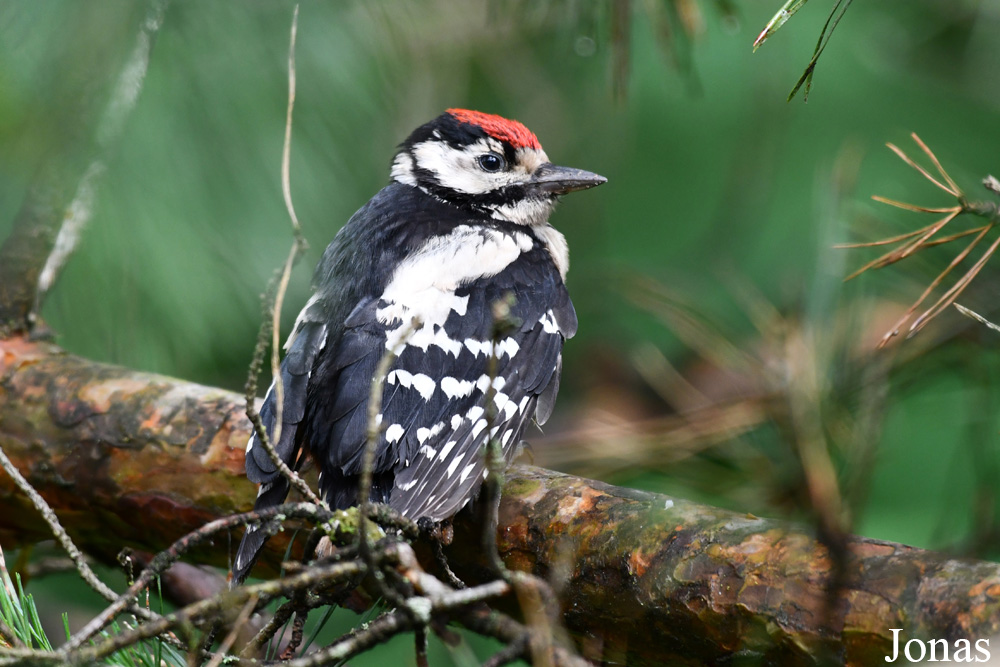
[
  {"x": 504, "y": 404},
  {"x": 424, "y": 384},
  {"x": 428, "y": 451},
  {"x": 478, "y": 428},
  {"x": 447, "y": 449},
  {"x": 507, "y": 346},
  {"x": 408, "y": 485},
  {"x": 548, "y": 323},
  {"x": 454, "y": 466},
  {"x": 466, "y": 471},
  {"x": 423, "y": 433},
  {"x": 455, "y": 388},
  {"x": 456, "y": 421},
  {"x": 394, "y": 433},
  {"x": 474, "y": 413},
  {"x": 477, "y": 347},
  {"x": 401, "y": 376}
]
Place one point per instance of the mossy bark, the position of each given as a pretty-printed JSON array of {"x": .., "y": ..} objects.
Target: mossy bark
[{"x": 135, "y": 459}]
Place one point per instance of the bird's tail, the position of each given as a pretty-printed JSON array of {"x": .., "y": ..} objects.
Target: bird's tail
[{"x": 271, "y": 493}]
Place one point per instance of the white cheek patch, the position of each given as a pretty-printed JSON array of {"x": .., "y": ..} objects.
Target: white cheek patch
[
  {"x": 402, "y": 169},
  {"x": 457, "y": 169}
]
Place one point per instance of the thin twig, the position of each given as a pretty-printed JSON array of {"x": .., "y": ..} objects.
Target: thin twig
[
  {"x": 536, "y": 596},
  {"x": 907, "y": 249},
  {"x": 251, "y": 409},
  {"x": 952, "y": 294},
  {"x": 297, "y": 632},
  {"x": 164, "y": 559},
  {"x": 392, "y": 623},
  {"x": 272, "y": 309},
  {"x": 281, "y": 616},
  {"x": 208, "y": 610},
  {"x": 886, "y": 241},
  {"x": 442, "y": 561},
  {"x": 912, "y": 207},
  {"x": 515, "y": 650},
  {"x": 238, "y": 624},
  {"x": 894, "y": 331},
  {"x": 368, "y": 461},
  {"x": 957, "y": 191},
  {"x": 109, "y": 130},
  {"x": 58, "y": 531},
  {"x": 908, "y": 160},
  {"x": 298, "y": 245},
  {"x": 420, "y": 646},
  {"x": 976, "y": 316}
]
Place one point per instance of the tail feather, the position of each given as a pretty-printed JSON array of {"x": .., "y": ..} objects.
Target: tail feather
[{"x": 271, "y": 494}]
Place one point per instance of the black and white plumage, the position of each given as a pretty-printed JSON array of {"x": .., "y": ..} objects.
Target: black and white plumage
[{"x": 462, "y": 224}]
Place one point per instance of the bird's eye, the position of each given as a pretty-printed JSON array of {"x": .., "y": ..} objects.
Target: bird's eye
[{"x": 491, "y": 162}]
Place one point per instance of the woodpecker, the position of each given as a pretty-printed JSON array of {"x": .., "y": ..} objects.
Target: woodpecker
[{"x": 462, "y": 224}]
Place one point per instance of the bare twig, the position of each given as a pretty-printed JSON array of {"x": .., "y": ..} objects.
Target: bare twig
[
  {"x": 58, "y": 531},
  {"x": 515, "y": 650},
  {"x": 368, "y": 461},
  {"x": 208, "y": 610},
  {"x": 976, "y": 316},
  {"x": 420, "y": 646},
  {"x": 953, "y": 191},
  {"x": 535, "y": 595},
  {"x": 164, "y": 559},
  {"x": 274, "y": 300},
  {"x": 227, "y": 643},
  {"x": 123, "y": 99},
  {"x": 281, "y": 616},
  {"x": 299, "y": 244},
  {"x": 913, "y": 242}
]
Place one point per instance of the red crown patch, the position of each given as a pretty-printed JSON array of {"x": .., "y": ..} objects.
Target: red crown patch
[{"x": 498, "y": 127}]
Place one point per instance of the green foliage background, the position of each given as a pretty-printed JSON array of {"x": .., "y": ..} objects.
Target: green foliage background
[{"x": 713, "y": 178}]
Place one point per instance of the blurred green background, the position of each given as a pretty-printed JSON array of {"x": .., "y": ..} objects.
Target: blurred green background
[{"x": 717, "y": 340}]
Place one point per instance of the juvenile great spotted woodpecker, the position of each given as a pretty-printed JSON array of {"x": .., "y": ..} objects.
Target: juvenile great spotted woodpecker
[{"x": 462, "y": 225}]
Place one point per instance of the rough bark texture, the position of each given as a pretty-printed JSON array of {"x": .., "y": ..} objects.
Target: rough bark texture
[{"x": 136, "y": 459}]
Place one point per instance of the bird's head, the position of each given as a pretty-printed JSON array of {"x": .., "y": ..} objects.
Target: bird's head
[{"x": 487, "y": 163}]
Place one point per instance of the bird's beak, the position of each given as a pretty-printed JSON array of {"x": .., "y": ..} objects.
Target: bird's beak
[{"x": 550, "y": 179}]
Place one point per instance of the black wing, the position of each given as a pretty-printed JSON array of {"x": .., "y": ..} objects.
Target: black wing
[
  {"x": 434, "y": 418},
  {"x": 307, "y": 341}
]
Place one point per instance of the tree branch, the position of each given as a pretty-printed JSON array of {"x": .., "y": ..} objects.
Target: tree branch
[
  {"x": 60, "y": 202},
  {"x": 128, "y": 458}
]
